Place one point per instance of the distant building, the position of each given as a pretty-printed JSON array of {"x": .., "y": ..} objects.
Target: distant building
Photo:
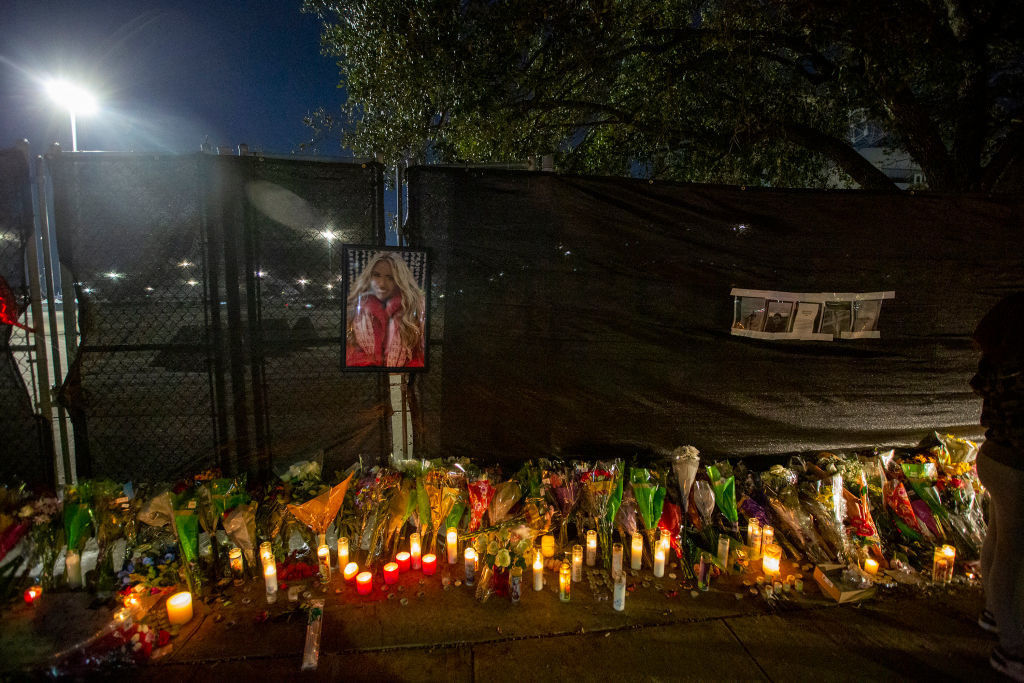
[{"x": 874, "y": 144}]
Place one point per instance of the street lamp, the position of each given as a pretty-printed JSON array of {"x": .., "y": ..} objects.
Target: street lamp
[{"x": 76, "y": 100}]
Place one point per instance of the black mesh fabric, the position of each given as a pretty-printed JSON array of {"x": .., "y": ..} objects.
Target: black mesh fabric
[
  {"x": 581, "y": 314},
  {"x": 199, "y": 346},
  {"x": 23, "y": 456}
]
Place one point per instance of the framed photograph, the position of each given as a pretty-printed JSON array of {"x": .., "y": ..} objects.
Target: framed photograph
[
  {"x": 749, "y": 314},
  {"x": 778, "y": 316},
  {"x": 384, "y": 316}
]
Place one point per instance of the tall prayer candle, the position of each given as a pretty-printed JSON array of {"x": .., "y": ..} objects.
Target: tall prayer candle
[
  {"x": 179, "y": 608},
  {"x": 949, "y": 552},
  {"x": 619, "y": 592},
  {"x": 266, "y": 552},
  {"x": 564, "y": 582},
  {"x": 414, "y": 549},
  {"x": 342, "y": 551},
  {"x": 723, "y": 552},
  {"x": 453, "y": 545},
  {"x": 390, "y": 573},
  {"x": 73, "y": 569},
  {"x": 270, "y": 577},
  {"x": 577, "y": 563},
  {"x": 767, "y": 536},
  {"x": 403, "y": 561},
  {"x": 538, "y": 570},
  {"x": 237, "y": 567},
  {"x": 429, "y": 564},
  {"x": 591, "y": 548},
  {"x": 364, "y": 583},
  {"x": 547, "y": 545},
  {"x": 470, "y": 565},
  {"x": 616, "y": 558},
  {"x": 350, "y": 571},
  {"x": 771, "y": 556},
  {"x": 754, "y": 537},
  {"x": 637, "y": 549},
  {"x": 659, "y": 561},
  {"x": 323, "y": 553}
]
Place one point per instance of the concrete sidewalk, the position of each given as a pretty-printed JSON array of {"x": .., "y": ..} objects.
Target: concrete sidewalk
[{"x": 666, "y": 633}]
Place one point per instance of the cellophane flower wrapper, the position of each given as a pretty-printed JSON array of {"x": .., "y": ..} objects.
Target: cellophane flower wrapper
[
  {"x": 240, "y": 527},
  {"x": 399, "y": 510},
  {"x": 822, "y": 500},
  {"x": 186, "y": 522},
  {"x": 318, "y": 513},
  {"x": 724, "y": 485},
  {"x": 506, "y": 495},
  {"x": 77, "y": 519},
  {"x": 650, "y": 497},
  {"x": 45, "y": 534},
  {"x": 599, "y": 486},
  {"x": 685, "y": 464},
  {"x": 109, "y": 522},
  {"x": 922, "y": 477},
  {"x": 442, "y": 490},
  {"x": 790, "y": 518},
  {"x": 565, "y": 488},
  {"x": 670, "y": 523},
  {"x": 481, "y": 492},
  {"x": 373, "y": 500},
  {"x": 499, "y": 548}
]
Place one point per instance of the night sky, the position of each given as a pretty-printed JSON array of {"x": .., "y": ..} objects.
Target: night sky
[{"x": 167, "y": 74}]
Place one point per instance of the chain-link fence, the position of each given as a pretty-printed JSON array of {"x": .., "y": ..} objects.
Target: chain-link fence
[
  {"x": 25, "y": 451},
  {"x": 207, "y": 302}
]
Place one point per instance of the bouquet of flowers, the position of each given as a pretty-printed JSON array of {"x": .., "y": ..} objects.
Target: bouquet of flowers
[
  {"x": 500, "y": 548},
  {"x": 45, "y": 535},
  {"x": 602, "y": 495},
  {"x": 650, "y": 497},
  {"x": 438, "y": 492},
  {"x": 685, "y": 463},
  {"x": 373, "y": 500},
  {"x": 564, "y": 486},
  {"x": 481, "y": 491},
  {"x": 724, "y": 483},
  {"x": 794, "y": 524},
  {"x": 506, "y": 495}
]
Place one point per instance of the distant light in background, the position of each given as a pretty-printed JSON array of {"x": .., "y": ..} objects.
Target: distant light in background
[
  {"x": 76, "y": 100},
  {"x": 113, "y": 275},
  {"x": 185, "y": 264},
  {"x": 329, "y": 235}
]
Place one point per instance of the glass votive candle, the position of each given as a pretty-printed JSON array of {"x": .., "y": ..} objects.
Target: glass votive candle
[
  {"x": 350, "y": 571},
  {"x": 342, "y": 551},
  {"x": 538, "y": 570},
  {"x": 391, "y": 573},
  {"x": 179, "y": 608},
  {"x": 270, "y": 578},
  {"x": 771, "y": 558},
  {"x": 452, "y": 539},
  {"x": 414, "y": 550},
  {"x": 564, "y": 582},
  {"x": 237, "y": 566},
  {"x": 547, "y": 545},
  {"x": 754, "y": 537},
  {"x": 470, "y": 565},
  {"x": 364, "y": 582},
  {"x": 403, "y": 560},
  {"x": 429, "y": 564},
  {"x": 32, "y": 594},
  {"x": 949, "y": 552},
  {"x": 636, "y": 551},
  {"x": 767, "y": 535},
  {"x": 266, "y": 552},
  {"x": 591, "y": 548},
  {"x": 871, "y": 566},
  {"x": 616, "y": 558},
  {"x": 323, "y": 554},
  {"x": 577, "y": 563}
]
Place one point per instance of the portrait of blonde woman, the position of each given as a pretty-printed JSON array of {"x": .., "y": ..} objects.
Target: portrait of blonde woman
[{"x": 385, "y": 309}]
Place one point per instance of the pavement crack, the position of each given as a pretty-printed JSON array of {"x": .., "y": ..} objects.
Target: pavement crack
[{"x": 745, "y": 649}]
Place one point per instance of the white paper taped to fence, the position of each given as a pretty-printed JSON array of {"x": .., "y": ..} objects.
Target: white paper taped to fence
[{"x": 814, "y": 316}]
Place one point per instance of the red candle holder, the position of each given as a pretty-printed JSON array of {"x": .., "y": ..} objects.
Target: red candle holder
[
  {"x": 32, "y": 594},
  {"x": 391, "y": 573},
  {"x": 403, "y": 560},
  {"x": 364, "y": 583},
  {"x": 429, "y": 564}
]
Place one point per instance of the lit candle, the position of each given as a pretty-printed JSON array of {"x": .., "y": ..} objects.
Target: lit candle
[
  {"x": 414, "y": 549},
  {"x": 32, "y": 594},
  {"x": 538, "y": 570},
  {"x": 73, "y": 569},
  {"x": 723, "y": 552},
  {"x": 564, "y": 582},
  {"x": 637, "y": 549},
  {"x": 577, "y": 563},
  {"x": 664, "y": 541},
  {"x": 364, "y": 583},
  {"x": 659, "y": 561},
  {"x": 939, "y": 566},
  {"x": 453, "y": 545},
  {"x": 132, "y": 602},
  {"x": 403, "y": 560},
  {"x": 429, "y": 564},
  {"x": 266, "y": 552},
  {"x": 591, "y": 548},
  {"x": 871, "y": 566},
  {"x": 767, "y": 536},
  {"x": 754, "y": 537},
  {"x": 323, "y": 553},
  {"x": 179, "y": 608},
  {"x": 771, "y": 556},
  {"x": 343, "y": 551},
  {"x": 237, "y": 567},
  {"x": 350, "y": 571},
  {"x": 616, "y": 558},
  {"x": 470, "y": 565},
  {"x": 390, "y": 573},
  {"x": 949, "y": 552},
  {"x": 270, "y": 577},
  {"x": 547, "y": 545}
]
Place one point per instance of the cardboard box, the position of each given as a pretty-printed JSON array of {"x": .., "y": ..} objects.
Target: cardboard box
[{"x": 830, "y": 579}]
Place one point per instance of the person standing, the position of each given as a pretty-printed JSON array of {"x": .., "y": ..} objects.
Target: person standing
[{"x": 1000, "y": 338}]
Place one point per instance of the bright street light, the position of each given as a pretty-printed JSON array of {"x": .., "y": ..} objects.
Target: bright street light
[{"x": 76, "y": 100}]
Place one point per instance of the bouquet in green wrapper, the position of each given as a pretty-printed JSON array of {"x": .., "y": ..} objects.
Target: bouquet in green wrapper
[
  {"x": 602, "y": 495},
  {"x": 724, "y": 483},
  {"x": 186, "y": 526},
  {"x": 649, "y": 491}
]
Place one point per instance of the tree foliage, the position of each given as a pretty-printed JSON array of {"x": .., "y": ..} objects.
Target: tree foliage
[{"x": 736, "y": 91}]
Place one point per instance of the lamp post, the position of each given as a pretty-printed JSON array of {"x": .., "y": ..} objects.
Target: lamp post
[{"x": 76, "y": 100}]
